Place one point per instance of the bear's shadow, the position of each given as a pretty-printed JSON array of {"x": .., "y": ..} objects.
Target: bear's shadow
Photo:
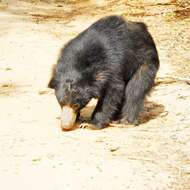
[{"x": 151, "y": 111}]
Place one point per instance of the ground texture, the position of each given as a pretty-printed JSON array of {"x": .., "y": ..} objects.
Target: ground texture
[{"x": 36, "y": 154}]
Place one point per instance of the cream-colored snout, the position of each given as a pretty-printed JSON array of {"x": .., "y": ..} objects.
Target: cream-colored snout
[{"x": 68, "y": 118}]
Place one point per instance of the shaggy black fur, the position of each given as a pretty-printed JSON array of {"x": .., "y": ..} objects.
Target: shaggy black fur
[{"x": 112, "y": 60}]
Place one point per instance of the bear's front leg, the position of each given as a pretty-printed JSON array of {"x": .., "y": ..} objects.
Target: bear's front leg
[{"x": 108, "y": 106}]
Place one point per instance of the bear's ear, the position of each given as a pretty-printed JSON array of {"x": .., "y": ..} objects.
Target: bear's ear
[{"x": 52, "y": 83}]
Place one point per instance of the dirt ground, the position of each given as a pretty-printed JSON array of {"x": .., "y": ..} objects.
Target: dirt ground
[{"x": 36, "y": 154}]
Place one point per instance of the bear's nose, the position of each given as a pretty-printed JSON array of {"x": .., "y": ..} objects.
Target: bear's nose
[{"x": 68, "y": 118}]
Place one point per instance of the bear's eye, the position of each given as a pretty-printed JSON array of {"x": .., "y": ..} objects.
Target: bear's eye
[
  {"x": 53, "y": 83},
  {"x": 69, "y": 81}
]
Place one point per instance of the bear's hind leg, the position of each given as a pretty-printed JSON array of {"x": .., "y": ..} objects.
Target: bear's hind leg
[{"x": 136, "y": 90}]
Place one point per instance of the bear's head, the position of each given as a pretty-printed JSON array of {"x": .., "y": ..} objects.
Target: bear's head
[{"x": 73, "y": 91}]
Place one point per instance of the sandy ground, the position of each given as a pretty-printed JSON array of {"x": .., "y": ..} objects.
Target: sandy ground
[{"x": 36, "y": 154}]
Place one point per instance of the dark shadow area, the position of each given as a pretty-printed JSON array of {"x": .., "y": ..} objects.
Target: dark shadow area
[
  {"x": 151, "y": 111},
  {"x": 182, "y": 13},
  {"x": 66, "y": 11}
]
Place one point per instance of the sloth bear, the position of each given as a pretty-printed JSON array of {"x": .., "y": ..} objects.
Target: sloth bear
[{"x": 113, "y": 60}]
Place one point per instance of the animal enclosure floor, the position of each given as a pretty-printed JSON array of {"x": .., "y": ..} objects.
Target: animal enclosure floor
[{"x": 36, "y": 154}]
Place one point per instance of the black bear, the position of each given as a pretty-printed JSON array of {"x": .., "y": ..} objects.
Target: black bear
[{"x": 113, "y": 60}]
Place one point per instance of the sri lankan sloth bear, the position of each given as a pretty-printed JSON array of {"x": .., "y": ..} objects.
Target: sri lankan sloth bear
[{"x": 112, "y": 60}]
